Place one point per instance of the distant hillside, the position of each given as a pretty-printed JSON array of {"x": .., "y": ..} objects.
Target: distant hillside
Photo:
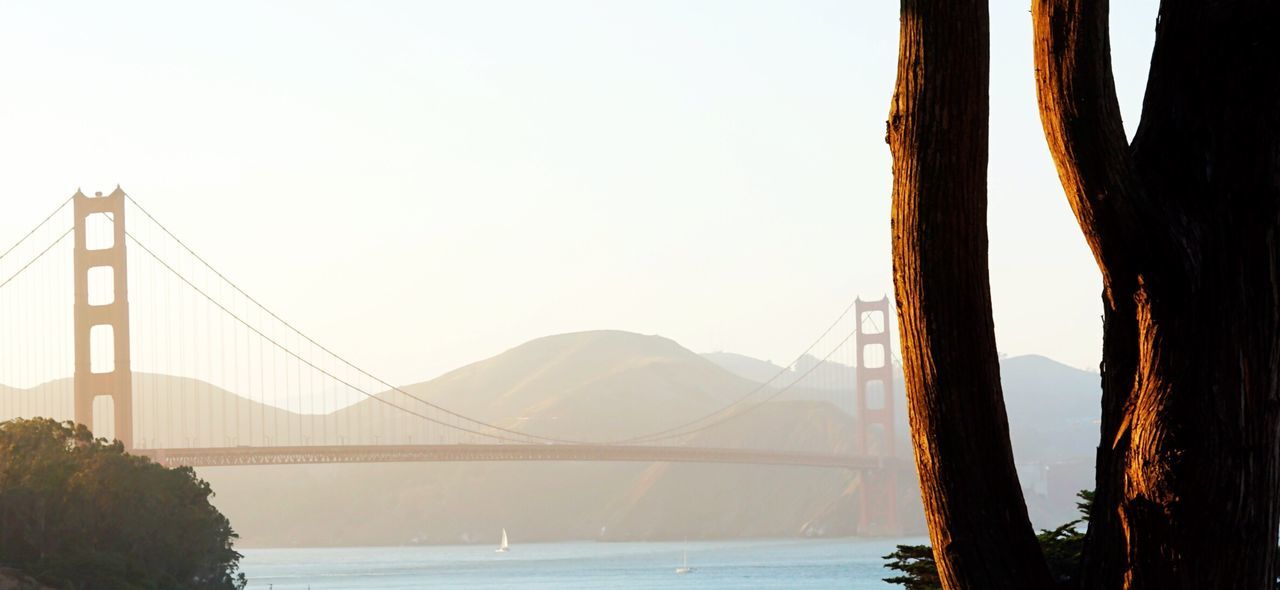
[
  {"x": 171, "y": 412},
  {"x": 593, "y": 385},
  {"x": 1053, "y": 409},
  {"x": 817, "y": 374},
  {"x": 1053, "y": 412},
  {"x": 1049, "y": 404},
  {"x": 600, "y": 385},
  {"x": 744, "y": 366}
]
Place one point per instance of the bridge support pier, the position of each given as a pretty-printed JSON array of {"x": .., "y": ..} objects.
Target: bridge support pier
[
  {"x": 878, "y": 509},
  {"x": 111, "y": 313}
]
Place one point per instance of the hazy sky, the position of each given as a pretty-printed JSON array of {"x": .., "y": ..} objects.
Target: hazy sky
[{"x": 423, "y": 184}]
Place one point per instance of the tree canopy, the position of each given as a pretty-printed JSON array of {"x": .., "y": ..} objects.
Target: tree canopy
[{"x": 79, "y": 512}]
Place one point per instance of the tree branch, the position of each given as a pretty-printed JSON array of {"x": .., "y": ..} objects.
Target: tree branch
[
  {"x": 1082, "y": 124},
  {"x": 938, "y": 133}
]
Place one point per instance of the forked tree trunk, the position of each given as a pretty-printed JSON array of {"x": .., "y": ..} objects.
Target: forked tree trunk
[
  {"x": 1183, "y": 224},
  {"x": 977, "y": 519}
]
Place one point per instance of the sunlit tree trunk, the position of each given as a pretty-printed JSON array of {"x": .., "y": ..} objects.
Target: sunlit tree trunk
[
  {"x": 1183, "y": 223},
  {"x": 977, "y": 518}
]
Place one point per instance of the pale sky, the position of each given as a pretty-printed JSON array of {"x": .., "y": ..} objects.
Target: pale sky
[{"x": 425, "y": 184}]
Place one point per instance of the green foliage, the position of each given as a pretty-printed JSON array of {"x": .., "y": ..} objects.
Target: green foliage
[
  {"x": 80, "y": 513},
  {"x": 1062, "y": 548},
  {"x": 919, "y": 572}
]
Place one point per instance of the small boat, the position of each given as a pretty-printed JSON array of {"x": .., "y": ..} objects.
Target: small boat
[
  {"x": 684, "y": 569},
  {"x": 503, "y": 547}
]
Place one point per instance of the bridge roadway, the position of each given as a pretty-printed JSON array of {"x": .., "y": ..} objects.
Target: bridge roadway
[{"x": 243, "y": 455}]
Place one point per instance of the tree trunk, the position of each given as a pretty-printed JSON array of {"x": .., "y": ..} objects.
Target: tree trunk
[
  {"x": 1183, "y": 224},
  {"x": 937, "y": 132}
]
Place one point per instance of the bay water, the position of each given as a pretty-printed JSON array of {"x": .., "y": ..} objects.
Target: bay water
[{"x": 754, "y": 564}]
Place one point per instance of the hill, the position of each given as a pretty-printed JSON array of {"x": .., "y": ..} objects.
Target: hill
[
  {"x": 590, "y": 385},
  {"x": 1053, "y": 414},
  {"x": 600, "y": 385}
]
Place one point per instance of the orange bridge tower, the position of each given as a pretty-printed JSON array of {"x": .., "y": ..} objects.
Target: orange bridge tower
[
  {"x": 878, "y": 512},
  {"x": 102, "y": 366}
]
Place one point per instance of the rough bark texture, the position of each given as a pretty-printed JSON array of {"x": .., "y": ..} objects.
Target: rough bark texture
[
  {"x": 1183, "y": 223},
  {"x": 938, "y": 135}
]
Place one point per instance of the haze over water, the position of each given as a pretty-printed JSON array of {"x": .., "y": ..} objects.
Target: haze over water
[{"x": 757, "y": 564}]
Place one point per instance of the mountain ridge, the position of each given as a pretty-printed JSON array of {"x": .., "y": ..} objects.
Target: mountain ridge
[{"x": 604, "y": 385}]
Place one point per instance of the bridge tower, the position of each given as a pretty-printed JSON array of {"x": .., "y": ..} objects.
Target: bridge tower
[
  {"x": 878, "y": 510},
  {"x": 108, "y": 316}
]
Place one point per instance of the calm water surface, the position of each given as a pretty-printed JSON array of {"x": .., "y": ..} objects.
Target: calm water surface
[{"x": 842, "y": 563}]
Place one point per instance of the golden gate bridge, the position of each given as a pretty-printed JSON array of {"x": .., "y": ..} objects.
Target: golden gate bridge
[{"x": 126, "y": 329}]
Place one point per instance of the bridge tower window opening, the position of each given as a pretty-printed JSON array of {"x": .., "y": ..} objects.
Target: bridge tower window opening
[
  {"x": 875, "y": 398},
  {"x": 871, "y": 356},
  {"x": 102, "y": 288},
  {"x": 99, "y": 232},
  {"x": 102, "y": 349},
  {"x": 871, "y": 321}
]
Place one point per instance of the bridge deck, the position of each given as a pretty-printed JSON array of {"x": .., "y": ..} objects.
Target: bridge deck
[{"x": 196, "y": 457}]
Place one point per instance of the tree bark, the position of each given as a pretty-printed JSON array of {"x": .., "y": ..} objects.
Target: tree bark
[
  {"x": 937, "y": 132},
  {"x": 1183, "y": 224}
]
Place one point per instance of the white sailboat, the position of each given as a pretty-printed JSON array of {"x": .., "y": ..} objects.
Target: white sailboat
[
  {"x": 503, "y": 547},
  {"x": 684, "y": 569}
]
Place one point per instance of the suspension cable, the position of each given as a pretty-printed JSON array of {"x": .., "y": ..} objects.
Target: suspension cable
[
  {"x": 662, "y": 434},
  {"x": 327, "y": 373},
  {"x": 37, "y": 257},
  {"x": 35, "y": 229},
  {"x": 330, "y": 352}
]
